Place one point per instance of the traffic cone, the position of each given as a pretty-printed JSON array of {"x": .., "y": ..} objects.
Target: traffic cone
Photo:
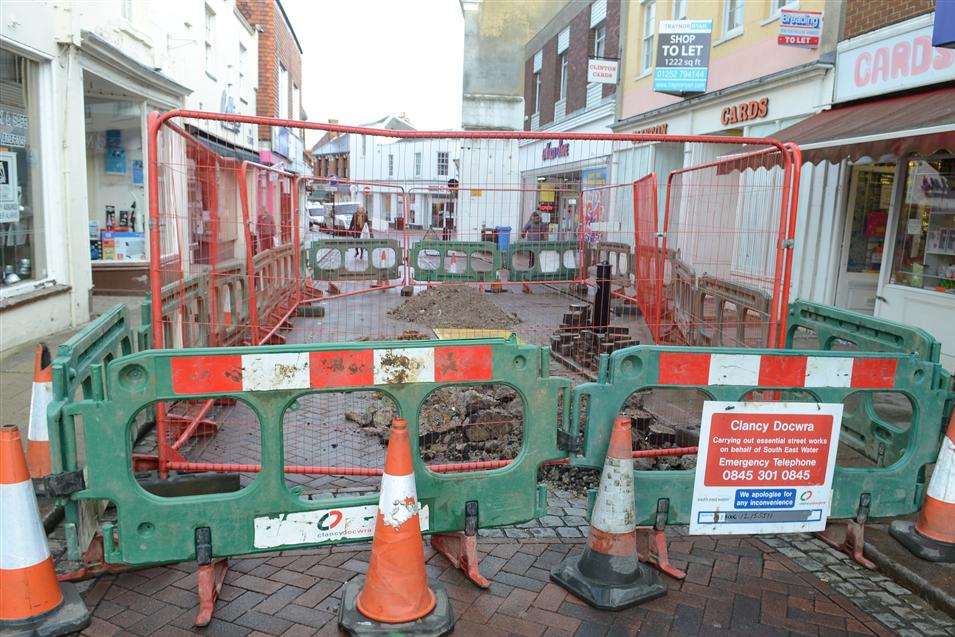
[
  {"x": 394, "y": 597},
  {"x": 38, "y": 436},
  {"x": 932, "y": 536},
  {"x": 608, "y": 574},
  {"x": 31, "y": 600}
]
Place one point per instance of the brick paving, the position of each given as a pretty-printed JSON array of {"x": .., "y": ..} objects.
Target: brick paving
[{"x": 741, "y": 586}]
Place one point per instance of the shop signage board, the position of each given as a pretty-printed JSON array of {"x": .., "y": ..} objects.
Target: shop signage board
[
  {"x": 765, "y": 467},
  {"x": 799, "y": 28},
  {"x": 885, "y": 63},
  {"x": 683, "y": 56},
  {"x": 602, "y": 70}
]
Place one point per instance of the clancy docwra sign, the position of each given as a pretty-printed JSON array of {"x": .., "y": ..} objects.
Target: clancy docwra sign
[
  {"x": 683, "y": 56},
  {"x": 765, "y": 467}
]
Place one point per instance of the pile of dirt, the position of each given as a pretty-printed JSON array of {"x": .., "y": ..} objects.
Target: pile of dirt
[
  {"x": 454, "y": 306},
  {"x": 574, "y": 481}
]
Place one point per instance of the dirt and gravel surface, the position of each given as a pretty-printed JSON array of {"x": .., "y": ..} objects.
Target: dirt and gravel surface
[{"x": 454, "y": 306}]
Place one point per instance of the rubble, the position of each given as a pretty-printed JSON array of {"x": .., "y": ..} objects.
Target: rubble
[{"x": 454, "y": 306}]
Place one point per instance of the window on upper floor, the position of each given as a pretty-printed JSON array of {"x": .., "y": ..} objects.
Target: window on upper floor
[
  {"x": 391, "y": 165},
  {"x": 732, "y": 17},
  {"x": 599, "y": 37},
  {"x": 283, "y": 91},
  {"x": 680, "y": 11},
  {"x": 775, "y": 6},
  {"x": 296, "y": 102},
  {"x": 417, "y": 164},
  {"x": 210, "y": 41},
  {"x": 442, "y": 164},
  {"x": 127, "y": 9},
  {"x": 649, "y": 30},
  {"x": 537, "y": 93},
  {"x": 243, "y": 57},
  {"x": 562, "y": 88}
]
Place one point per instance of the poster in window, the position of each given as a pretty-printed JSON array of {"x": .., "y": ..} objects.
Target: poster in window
[
  {"x": 114, "y": 160},
  {"x": 594, "y": 200},
  {"x": 137, "y": 172},
  {"x": 9, "y": 201}
]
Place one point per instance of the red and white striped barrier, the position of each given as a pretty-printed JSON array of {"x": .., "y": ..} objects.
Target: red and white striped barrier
[
  {"x": 330, "y": 369},
  {"x": 771, "y": 370}
]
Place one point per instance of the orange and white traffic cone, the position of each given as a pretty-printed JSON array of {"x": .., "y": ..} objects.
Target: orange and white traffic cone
[
  {"x": 38, "y": 436},
  {"x": 394, "y": 597},
  {"x": 608, "y": 574},
  {"x": 932, "y": 536},
  {"x": 31, "y": 600}
]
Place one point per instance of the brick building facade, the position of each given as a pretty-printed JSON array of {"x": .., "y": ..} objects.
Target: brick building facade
[
  {"x": 597, "y": 24},
  {"x": 862, "y": 16},
  {"x": 278, "y": 48}
]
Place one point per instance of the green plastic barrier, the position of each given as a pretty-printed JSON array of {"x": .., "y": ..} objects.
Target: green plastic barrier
[
  {"x": 153, "y": 529},
  {"x": 836, "y": 328},
  {"x": 326, "y": 267},
  {"x": 77, "y": 371},
  {"x": 460, "y": 265},
  {"x": 896, "y": 489},
  {"x": 550, "y": 261}
]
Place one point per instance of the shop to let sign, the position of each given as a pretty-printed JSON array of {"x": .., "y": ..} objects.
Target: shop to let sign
[
  {"x": 683, "y": 56},
  {"x": 765, "y": 467},
  {"x": 800, "y": 28}
]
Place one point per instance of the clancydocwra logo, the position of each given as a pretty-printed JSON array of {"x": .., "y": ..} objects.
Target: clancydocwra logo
[
  {"x": 806, "y": 495},
  {"x": 330, "y": 520}
]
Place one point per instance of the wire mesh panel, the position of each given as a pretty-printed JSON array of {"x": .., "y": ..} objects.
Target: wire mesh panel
[
  {"x": 403, "y": 234},
  {"x": 727, "y": 222}
]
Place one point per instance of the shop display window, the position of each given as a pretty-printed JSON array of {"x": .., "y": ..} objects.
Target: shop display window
[
  {"x": 115, "y": 176},
  {"x": 21, "y": 227},
  {"x": 925, "y": 239},
  {"x": 870, "y": 212}
]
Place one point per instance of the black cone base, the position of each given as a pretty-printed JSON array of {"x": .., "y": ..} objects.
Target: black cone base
[
  {"x": 921, "y": 545},
  {"x": 608, "y": 582},
  {"x": 69, "y": 617},
  {"x": 437, "y": 623}
]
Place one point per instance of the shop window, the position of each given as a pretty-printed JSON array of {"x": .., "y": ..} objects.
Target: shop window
[
  {"x": 870, "y": 210},
  {"x": 924, "y": 254},
  {"x": 115, "y": 174},
  {"x": 21, "y": 227}
]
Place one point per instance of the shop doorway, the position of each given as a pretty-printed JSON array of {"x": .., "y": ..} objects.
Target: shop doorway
[{"x": 867, "y": 214}]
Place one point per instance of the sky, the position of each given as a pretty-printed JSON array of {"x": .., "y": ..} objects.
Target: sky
[{"x": 364, "y": 59}]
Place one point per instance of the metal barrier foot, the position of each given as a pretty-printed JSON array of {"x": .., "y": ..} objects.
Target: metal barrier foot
[
  {"x": 407, "y": 290},
  {"x": 210, "y": 578},
  {"x": 333, "y": 289},
  {"x": 854, "y": 543},
  {"x": 461, "y": 548},
  {"x": 657, "y": 554},
  {"x": 526, "y": 289}
]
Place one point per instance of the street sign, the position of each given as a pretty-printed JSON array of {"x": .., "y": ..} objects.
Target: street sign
[
  {"x": 764, "y": 467},
  {"x": 683, "y": 56},
  {"x": 799, "y": 28}
]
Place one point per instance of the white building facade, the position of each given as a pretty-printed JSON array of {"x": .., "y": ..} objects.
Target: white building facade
[{"x": 79, "y": 80}]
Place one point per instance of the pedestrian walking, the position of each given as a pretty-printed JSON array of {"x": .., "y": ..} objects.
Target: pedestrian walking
[
  {"x": 360, "y": 228},
  {"x": 534, "y": 230}
]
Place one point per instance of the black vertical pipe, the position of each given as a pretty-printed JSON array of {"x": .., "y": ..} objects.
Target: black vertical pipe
[{"x": 602, "y": 298}]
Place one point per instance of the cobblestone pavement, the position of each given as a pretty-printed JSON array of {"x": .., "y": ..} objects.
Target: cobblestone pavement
[{"x": 734, "y": 586}]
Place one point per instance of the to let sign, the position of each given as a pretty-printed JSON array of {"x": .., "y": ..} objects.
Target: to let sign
[
  {"x": 800, "y": 28},
  {"x": 683, "y": 56},
  {"x": 765, "y": 467},
  {"x": 602, "y": 71}
]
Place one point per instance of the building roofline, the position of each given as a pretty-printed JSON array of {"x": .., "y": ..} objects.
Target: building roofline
[{"x": 288, "y": 23}]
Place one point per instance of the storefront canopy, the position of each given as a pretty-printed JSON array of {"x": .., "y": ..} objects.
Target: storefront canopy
[{"x": 917, "y": 123}]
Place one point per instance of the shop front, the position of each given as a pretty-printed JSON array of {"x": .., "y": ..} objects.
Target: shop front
[
  {"x": 890, "y": 140},
  {"x": 566, "y": 183},
  {"x": 118, "y": 95}
]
